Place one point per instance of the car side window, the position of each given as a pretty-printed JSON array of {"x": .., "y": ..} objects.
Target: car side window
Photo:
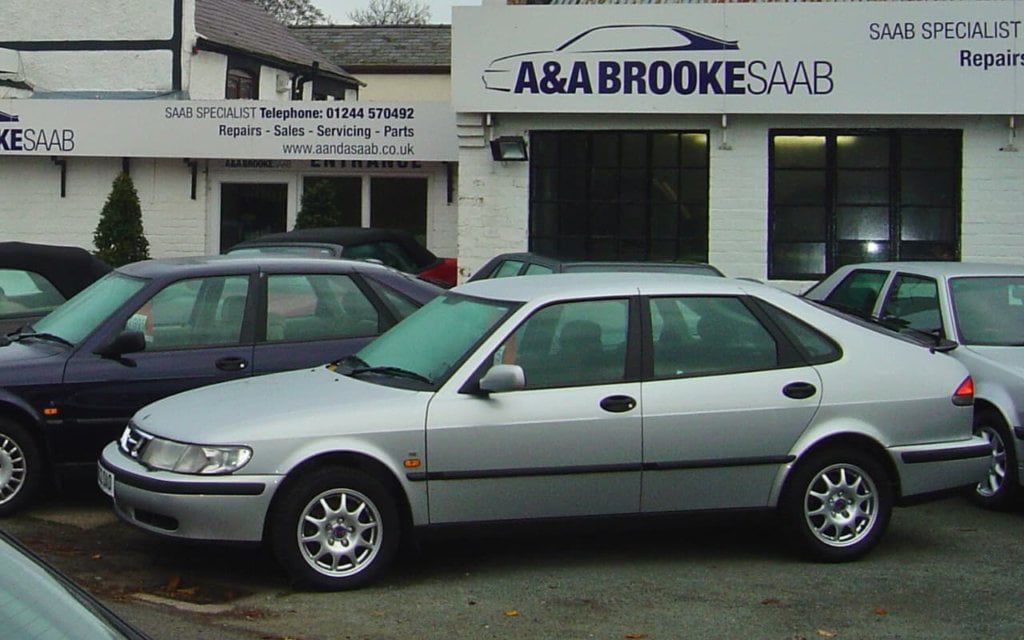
[
  {"x": 197, "y": 312},
  {"x": 507, "y": 268},
  {"x": 858, "y": 292},
  {"x": 387, "y": 253},
  {"x": 538, "y": 270},
  {"x": 570, "y": 344},
  {"x": 398, "y": 303},
  {"x": 913, "y": 302},
  {"x": 317, "y": 307},
  {"x": 703, "y": 335},
  {"x": 26, "y": 292}
]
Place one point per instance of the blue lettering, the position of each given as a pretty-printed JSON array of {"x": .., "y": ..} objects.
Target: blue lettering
[
  {"x": 684, "y": 78},
  {"x": 633, "y": 81},
  {"x": 608, "y": 77},
  {"x": 526, "y": 82},
  {"x": 659, "y": 77},
  {"x": 709, "y": 78},
  {"x": 579, "y": 79}
]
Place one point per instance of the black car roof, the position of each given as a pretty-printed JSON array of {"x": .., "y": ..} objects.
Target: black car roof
[
  {"x": 212, "y": 265},
  {"x": 70, "y": 269},
  {"x": 344, "y": 236}
]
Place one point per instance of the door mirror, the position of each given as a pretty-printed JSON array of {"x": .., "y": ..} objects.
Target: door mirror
[
  {"x": 503, "y": 377},
  {"x": 124, "y": 342}
]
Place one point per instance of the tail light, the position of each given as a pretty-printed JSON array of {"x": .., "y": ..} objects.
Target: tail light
[{"x": 964, "y": 394}]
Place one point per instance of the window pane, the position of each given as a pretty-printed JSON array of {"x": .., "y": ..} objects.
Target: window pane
[
  {"x": 919, "y": 223},
  {"x": 798, "y": 151},
  {"x": 862, "y": 151},
  {"x": 858, "y": 292},
  {"x": 862, "y": 223},
  {"x": 868, "y": 251},
  {"x": 862, "y": 187},
  {"x": 799, "y": 223},
  {"x": 798, "y": 187},
  {"x": 193, "y": 313},
  {"x": 24, "y": 291},
  {"x": 796, "y": 259},
  {"x": 707, "y": 336},
  {"x": 507, "y": 268},
  {"x": 317, "y": 307},
  {"x": 929, "y": 188},
  {"x": 570, "y": 344},
  {"x": 913, "y": 302},
  {"x": 932, "y": 149},
  {"x": 694, "y": 150}
]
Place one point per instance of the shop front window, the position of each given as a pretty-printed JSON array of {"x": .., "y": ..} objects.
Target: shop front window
[
  {"x": 249, "y": 210},
  {"x": 346, "y": 197},
  {"x": 400, "y": 203},
  {"x": 838, "y": 198},
  {"x": 619, "y": 195}
]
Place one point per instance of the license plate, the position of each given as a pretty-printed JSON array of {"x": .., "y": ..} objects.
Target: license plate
[{"x": 106, "y": 480}]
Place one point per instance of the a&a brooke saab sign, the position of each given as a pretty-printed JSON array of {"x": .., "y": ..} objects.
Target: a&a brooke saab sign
[{"x": 940, "y": 57}]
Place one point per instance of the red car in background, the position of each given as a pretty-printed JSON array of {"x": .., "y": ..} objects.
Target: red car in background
[{"x": 392, "y": 247}]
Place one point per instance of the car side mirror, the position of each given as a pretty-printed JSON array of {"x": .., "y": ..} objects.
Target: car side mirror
[
  {"x": 124, "y": 342},
  {"x": 503, "y": 377}
]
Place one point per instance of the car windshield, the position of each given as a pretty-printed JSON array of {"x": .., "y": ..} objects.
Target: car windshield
[
  {"x": 431, "y": 341},
  {"x": 989, "y": 310},
  {"x": 34, "y": 604},
  {"x": 79, "y": 316}
]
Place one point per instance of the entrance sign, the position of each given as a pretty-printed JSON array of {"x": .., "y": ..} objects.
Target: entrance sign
[
  {"x": 940, "y": 57},
  {"x": 421, "y": 131}
]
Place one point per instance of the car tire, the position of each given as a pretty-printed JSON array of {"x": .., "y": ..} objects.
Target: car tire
[
  {"x": 837, "y": 505},
  {"x": 334, "y": 529},
  {"x": 1000, "y": 487},
  {"x": 21, "y": 467}
]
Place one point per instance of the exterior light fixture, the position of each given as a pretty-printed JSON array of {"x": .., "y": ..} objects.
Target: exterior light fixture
[{"x": 509, "y": 149}]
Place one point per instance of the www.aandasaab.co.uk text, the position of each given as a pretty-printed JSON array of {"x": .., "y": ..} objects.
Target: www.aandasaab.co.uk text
[{"x": 348, "y": 149}]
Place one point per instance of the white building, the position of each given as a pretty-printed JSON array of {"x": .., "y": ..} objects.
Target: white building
[
  {"x": 220, "y": 115},
  {"x": 775, "y": 140}
]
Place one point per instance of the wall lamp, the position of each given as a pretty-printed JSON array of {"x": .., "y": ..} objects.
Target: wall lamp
[{"x": 509, "y": 149}]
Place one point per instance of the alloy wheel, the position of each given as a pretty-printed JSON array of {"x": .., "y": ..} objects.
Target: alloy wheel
[
  {"x": 841, "y": 505},
  {"x": 340, "y": 533}
]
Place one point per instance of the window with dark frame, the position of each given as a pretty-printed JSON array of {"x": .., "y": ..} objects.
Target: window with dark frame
[
  {"x": 619, "y": 195},
  {"x": 241, "y": 85},
  {"x": 842, "y": 197}
]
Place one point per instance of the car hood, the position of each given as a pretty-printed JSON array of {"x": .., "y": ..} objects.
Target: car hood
[
  {"x": 32, "y": 362},
  {"x": 304, "y": 403}
]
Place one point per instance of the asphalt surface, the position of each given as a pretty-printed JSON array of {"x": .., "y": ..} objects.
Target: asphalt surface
[{"x": 945, "y": 570}]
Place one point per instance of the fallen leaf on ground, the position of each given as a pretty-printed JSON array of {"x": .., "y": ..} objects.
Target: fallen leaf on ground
[
  {"x": 825, "y": 633},
  {"x": 635, "y": 636},
  {"x": 771, "y": 601},
  {"x": 511, "y": 613},
  {"x": 881, "y": 612}
]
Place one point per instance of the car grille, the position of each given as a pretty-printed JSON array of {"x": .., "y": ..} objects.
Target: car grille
[{"x": 133, "y": 441}]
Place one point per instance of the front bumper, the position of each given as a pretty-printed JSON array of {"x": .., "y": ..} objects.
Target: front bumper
[
  {"x": 943, "y": 466},
  {"x": 223, "y": 508}
]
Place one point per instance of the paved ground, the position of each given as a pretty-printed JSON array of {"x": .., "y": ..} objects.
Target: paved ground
[{"x": 945, "y": 570}]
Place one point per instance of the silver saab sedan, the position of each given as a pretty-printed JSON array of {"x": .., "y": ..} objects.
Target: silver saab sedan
[{"x": 568, "y": 395}]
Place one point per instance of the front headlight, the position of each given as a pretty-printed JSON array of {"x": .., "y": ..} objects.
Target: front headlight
[{"x": 167, "y": 455}]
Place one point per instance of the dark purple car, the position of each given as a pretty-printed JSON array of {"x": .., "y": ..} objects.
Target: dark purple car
[{"x": 70, "y": 381}]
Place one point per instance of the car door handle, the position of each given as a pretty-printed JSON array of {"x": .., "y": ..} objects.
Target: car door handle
[
  {"x": 618, "y": 404},
  {"x": 232, "y": 363},
  {"x": 799, "y": 390}
]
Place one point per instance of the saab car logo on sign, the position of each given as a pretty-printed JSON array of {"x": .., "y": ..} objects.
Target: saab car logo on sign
[
  {"x": 31, "y": 140},
  {"x": 654, "y": 59}
]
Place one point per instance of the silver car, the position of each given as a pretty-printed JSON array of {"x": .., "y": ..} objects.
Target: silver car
[
  {"x": 980, "y": 307},
  {"x": 569, "y": 395}
]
